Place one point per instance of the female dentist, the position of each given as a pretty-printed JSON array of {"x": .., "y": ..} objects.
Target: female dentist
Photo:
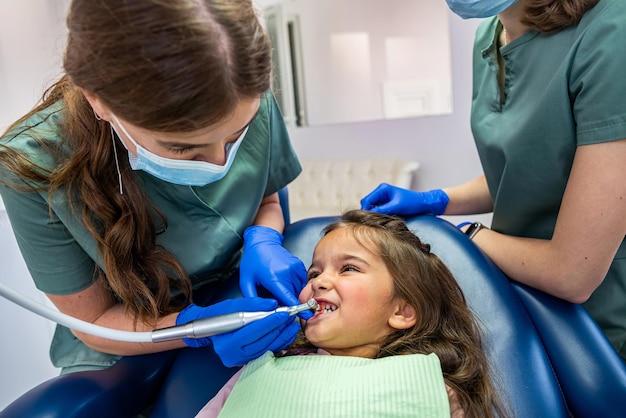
[
  {"x": 148, "y": 167},
  {"x": 549, "y": 122}
]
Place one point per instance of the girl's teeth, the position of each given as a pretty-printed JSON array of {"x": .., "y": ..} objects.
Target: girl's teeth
[{"x": 326, "y": 309}]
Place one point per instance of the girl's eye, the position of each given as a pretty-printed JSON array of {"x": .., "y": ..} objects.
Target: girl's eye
[
  {"x": 312, "y": 274},
  {"x": 349, "y": 267}
]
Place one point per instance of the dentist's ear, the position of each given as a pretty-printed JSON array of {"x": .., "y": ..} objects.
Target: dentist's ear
[
  {"x": 403, "y": 317},
  {"x": 100, "y": 110}
]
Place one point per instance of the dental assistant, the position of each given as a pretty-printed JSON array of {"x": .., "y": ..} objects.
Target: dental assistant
[
  {"x": 549, "y": 122},
  {"x": 147, "y": 171}
]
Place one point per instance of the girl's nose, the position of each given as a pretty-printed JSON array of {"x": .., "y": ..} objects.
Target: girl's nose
[{"x": 321, "y": 282}]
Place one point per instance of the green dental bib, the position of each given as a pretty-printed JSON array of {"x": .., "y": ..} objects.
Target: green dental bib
[{"x": 339, "y": 386}]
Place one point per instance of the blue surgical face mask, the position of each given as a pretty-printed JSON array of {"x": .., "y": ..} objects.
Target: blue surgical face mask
[
  {"x": 182, "y": 172},
  {"x": 468, "y": 9}
]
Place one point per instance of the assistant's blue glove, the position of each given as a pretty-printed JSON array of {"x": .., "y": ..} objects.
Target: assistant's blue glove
[
  {"x": 273, "y": 333},
  {"x": 393, "y": 200},
  {"x": 265, "y": 262}
]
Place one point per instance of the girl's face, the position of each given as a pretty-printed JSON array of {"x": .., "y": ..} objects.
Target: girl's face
[{"x": 355, "y": 292}]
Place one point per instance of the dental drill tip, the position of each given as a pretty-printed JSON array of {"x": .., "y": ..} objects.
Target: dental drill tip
[{"x": 310, "y": 304}]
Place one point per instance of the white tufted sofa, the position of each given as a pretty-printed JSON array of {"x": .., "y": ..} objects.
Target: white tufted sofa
[{"x": 330, "y": 187}]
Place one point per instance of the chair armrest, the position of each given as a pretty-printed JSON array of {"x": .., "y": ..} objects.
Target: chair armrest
[
  {"x": 122, "y": 390},
  {"x": 591, "y": 373}
]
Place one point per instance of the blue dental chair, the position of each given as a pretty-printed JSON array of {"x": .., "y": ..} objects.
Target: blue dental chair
[{"x": 549, "y": 358}]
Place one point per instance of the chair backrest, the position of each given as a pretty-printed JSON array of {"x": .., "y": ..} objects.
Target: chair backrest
[{"x": 522, "y": 370}]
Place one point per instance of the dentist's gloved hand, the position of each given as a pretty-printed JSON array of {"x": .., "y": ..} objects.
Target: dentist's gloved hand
[
  {"x": 274, "y": 333},
  {"x": 265, "y": 262},
  {"x": 393, "y": 200}
]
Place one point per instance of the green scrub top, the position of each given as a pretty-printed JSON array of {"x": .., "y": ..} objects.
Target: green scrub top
[
  {"x": 560, "y": 91},
  {"x": 205, "y": 224}
]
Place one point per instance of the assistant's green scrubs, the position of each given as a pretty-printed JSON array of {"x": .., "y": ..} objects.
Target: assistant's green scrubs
[
  {"x": 561, "y": 91},
  {"x": 205, "y": 224}
]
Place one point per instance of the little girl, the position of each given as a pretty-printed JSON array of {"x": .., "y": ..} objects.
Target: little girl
[{"x": 393, "y": 336}]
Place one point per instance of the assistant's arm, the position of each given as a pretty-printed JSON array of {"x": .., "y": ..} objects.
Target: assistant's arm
[
  {"x": 589, "y": 230},
  {"x": 470, "y": 198}
]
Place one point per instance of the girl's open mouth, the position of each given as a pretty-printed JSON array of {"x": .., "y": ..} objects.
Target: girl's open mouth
[{"x": 325, "y": 307}]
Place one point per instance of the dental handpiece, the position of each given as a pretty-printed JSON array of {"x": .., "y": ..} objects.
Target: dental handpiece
[{"x": 220, "y": 324}]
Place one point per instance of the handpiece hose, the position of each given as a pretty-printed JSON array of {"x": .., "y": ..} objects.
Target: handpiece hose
[
  {"x": 195, "y": 329},
  {"x": 220, "y": 324}
]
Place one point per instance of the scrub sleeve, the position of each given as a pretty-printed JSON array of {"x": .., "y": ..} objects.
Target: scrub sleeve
[{"x": 561, "y": 91}]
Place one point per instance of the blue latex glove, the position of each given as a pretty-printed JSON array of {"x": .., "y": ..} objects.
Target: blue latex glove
[
  {"x": 266, "y": 263},
  {"x": 274, "y": 333},
  {"x": 393, "y": 200}
]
